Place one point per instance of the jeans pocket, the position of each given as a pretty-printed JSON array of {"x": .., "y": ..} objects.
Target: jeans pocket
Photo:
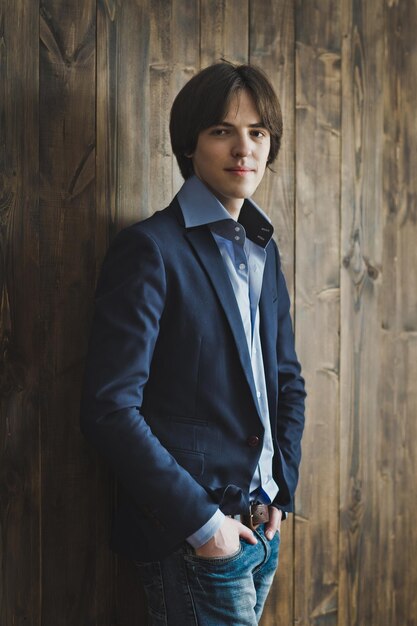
[
  {"x": 214, "y": 560},
  {"x": 151, "y": 577}
]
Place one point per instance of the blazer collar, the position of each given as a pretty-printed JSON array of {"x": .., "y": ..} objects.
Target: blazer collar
[{"x": 200, "y": 207}]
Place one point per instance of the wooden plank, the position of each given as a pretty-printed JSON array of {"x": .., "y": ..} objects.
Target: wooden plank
[
  {"x": 393, "y": 594},
  {"x": 318, "y": 104},
  {"x": 160, "y": 73},
  {"x": 224, "y": 31},
  {"x": 107, "y": 124},
  {"x": 174, "y": 59},
  {"x": 19, "y": 312},
  {"x": 361, "y": 505},
  {"x": 271, "y": 46},
  {"x": 67, "y": 209},
  {"x": 186, "y": 58},
  {"x": 131, "y": 87},
  {"x": 123, "y": 102}
]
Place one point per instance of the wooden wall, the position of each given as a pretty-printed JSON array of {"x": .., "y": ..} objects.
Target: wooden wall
[{"x": 85, "y": 91}]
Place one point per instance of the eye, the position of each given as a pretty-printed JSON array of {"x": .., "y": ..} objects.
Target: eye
[
  {"x": 219, "y": 132},
  {"x": 259, "y": 134}
]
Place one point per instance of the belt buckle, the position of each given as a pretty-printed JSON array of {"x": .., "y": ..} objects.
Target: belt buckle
[{"x": 258, "y": 514}]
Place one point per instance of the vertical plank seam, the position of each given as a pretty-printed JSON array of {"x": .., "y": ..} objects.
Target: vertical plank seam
[
  {"x": 113, "y": 220},
  {"x": 39, "y": 308},
  {"x": 339, "y": 400},
  {"x": 199, "y": 34},
  {"x": 95, "y": 600},
  {"x": 294, "y": 165},
  {"x": 341, "y": 305},
  {"x": 249, "y": 31}
]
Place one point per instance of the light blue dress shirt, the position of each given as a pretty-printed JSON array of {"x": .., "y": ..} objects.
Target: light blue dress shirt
[{"x": 245, "y": 261}]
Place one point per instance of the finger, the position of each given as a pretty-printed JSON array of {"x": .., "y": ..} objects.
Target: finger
[
  {"x": 274, "y": 523},
  {"x": 246, "y": 534}
]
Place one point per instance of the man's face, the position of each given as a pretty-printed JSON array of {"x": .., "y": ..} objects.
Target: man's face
[{"x": 231, "y": 158}]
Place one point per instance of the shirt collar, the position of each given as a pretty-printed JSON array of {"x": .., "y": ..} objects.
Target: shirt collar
[{"x": 200, "y": 208}]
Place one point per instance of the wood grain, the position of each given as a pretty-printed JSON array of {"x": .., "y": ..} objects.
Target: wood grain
[
  {"x": 70, "y": 529},
  {"x": 224, "y": 31},
  {"x": 318, "y": 91},
  {"x": 123, "y": 104},
  {"x": 185, "y": 51},
  {"x": 20, "y": 564},
  {"x": 361, "y": 544},
  {"x": 129, "y": 82},
  {"x": 397, "y": 391}
]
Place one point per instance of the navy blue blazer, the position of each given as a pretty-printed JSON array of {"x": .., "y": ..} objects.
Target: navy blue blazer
[{"x": 169, "y": 397}]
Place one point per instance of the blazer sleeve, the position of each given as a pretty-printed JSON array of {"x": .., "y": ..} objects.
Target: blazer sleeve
[
  {"x": 129, "y": 303},
  {"x": 291, "y": 394}
]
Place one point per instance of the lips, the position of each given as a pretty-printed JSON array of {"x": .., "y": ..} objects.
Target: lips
[{"x": 240, "y": 171}]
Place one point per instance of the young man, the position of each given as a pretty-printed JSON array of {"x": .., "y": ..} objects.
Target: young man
[{"x": 192, "y": 388}]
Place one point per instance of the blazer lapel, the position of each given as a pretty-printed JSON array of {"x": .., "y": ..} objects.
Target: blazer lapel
[
  {"x": 207, "y": 251},
  {"x": 268, "y": 332}
]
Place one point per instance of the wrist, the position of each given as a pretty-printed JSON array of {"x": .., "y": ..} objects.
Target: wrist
[{"x": 206, "y": 532}]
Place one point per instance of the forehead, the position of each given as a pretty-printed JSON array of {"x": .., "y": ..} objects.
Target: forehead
[{"x": 242, "y": 106}]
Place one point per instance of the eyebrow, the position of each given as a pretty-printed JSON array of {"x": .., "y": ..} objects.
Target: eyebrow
[{"x": 256, "y": 125}]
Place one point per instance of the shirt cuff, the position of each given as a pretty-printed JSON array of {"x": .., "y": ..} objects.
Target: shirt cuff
[{"x": 206, "y": 532}]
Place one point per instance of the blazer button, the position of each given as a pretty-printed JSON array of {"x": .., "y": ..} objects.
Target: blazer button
[{"x": 252, "y": 441}]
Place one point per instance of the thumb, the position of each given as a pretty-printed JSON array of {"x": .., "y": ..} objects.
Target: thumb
[{"x": 246, "y": 534}]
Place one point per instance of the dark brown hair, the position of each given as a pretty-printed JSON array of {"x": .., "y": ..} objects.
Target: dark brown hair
[{"x": 204, "y": 102}]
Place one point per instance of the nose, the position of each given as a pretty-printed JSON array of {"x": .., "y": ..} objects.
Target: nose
[{"x": 241, "y": 146}]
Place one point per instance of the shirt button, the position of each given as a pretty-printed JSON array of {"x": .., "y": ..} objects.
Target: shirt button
[
  {"x": 237, "y": 229},
  {"x": 237, "y": 238},
  {"x": 252, "y": 441},
  {"x": 242, "y": 266},
  {"x": 258, "y": 394}
]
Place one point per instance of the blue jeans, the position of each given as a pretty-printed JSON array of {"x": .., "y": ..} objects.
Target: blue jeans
[{"x": 188, "y": 590}]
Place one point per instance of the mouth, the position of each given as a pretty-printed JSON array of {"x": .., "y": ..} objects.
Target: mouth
[{"x": 239, "y": 171}]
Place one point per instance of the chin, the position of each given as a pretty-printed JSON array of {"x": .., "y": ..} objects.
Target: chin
[{"x": 245, "y": 191}]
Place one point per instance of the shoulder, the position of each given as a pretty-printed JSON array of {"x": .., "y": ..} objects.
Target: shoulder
[
  {"x": 158, "y": 226},
  {"x": 149, "y": 243}
]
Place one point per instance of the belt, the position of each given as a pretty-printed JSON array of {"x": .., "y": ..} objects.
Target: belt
[{"x": 258, "y": 514}]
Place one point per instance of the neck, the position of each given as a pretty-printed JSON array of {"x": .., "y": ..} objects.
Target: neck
[{"x": 234, "y": 211}]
